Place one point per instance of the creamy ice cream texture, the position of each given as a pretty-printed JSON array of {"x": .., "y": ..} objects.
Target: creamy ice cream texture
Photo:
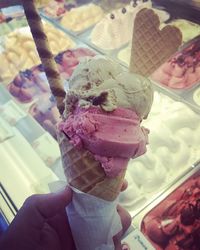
[
  {"x": 105, "y": 107},
  {"x": 182, "y": 70},
  {"x": 81, "y": 18},
  {"x": 115, "y": 29},
  {"x": 174, "y": 223}
]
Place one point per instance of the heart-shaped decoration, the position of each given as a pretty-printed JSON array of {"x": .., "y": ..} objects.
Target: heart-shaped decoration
[{"x": 151, "y": 46}]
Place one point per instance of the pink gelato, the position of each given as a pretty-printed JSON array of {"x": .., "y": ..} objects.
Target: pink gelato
[
  {"x": 27, "y": 85},
  {"x": 55, "y": 9},
  {"x": 182, "y": 70},
  {"x": 68, "y": 60},
  {"x": 113, "y": 137}
]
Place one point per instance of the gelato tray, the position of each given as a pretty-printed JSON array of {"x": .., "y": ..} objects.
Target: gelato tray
[
  {"x": 108, "y": 34},
  {"x": 80, "y": 18},
  {"x": 57, "y": 10},
  {"x": 19, "y": 51},
  {"x": 173, "y": 220},
  {"x": 182, "y": 71},
  {"x": 173, "y": 148}
]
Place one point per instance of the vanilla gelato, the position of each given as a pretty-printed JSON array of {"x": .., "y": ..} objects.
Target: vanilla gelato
[
  {"x": 115, "y": 29},
  {"x": 90, "y": 79},
  {"x": 81, "y": 18}
]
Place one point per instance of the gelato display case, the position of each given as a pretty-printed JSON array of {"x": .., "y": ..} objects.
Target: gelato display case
[
  {"x": 172, "y": 222},
  {"x": 29, "y": 150}
]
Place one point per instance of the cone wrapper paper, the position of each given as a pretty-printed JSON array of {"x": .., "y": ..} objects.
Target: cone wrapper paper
[{"x": 93, "y": 221}]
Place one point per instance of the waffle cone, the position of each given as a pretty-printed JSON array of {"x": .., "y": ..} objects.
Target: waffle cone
[
  {"x": 84, "y": 173},
  {"x": 81, "y": 169},
  {"x": 151, "y": 47}
]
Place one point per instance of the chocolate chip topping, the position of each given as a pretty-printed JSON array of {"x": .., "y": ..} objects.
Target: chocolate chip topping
[
  {"x": 98, "y": 82},
  {"x": 134, "y": 4},
  {"x": 88, "y": 86},
  {"x": 184, "y": 57},
  {"x": 196, "y": 236},
  {"x": 197, "y": 209},
  {"x": 188, "y": 215},
  {"x": 190, "y": 241},
  {"x": 99, "y": 100},
  {"x": 112, "y": 16},
  {"x": 186, "y": 242},
  {"x": 123, "y": 10}
]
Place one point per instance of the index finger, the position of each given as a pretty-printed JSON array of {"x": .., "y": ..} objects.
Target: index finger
[{"x": 49, "y": 205}]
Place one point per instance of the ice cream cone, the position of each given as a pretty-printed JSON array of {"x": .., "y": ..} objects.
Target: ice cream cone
[
  {"x": 86, "y": 213},
  {"x": 86, "y": 174},
  {"x": 151, "y": 46},
  {"x": 81, "y": 169}
]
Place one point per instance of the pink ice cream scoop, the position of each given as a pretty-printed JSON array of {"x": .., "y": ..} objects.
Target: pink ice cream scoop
[
  {"x": 182, "y": 70},
  {"x": 104, "y": 108},
  {"x": 113, "y": 137}
]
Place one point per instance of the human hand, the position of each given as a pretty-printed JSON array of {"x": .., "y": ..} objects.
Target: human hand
[{"x": 42, "y": 224}]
